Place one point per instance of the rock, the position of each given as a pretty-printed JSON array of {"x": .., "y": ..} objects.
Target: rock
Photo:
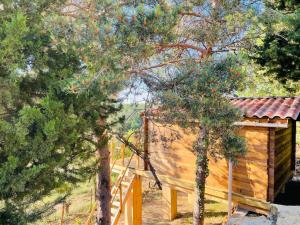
[
  {"x": 288, "y": 215},
  {"x": 247, "y": 220}
]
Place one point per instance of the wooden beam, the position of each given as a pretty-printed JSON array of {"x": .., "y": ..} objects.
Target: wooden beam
[
  {"x": 137, "y": 201},
  {"x": 293, "y": 163},
  {"x": 128, "y": 210},
  {"x": 238, "y": 198},
  {"x": 256, "y": 124},
  {"x": 211, "y": 192},
  {"x": 112, "y": 149},
  {"x": 146, "y": 140},
  {"x": 170, "y": 202},
  {"x": 229, "y": 188},
  {"x": 271, "y": 165},
  {"x": 123, "y": 154}
]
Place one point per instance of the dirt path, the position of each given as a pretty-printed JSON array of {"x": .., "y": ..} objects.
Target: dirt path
[{"x": 154, "y": 212}]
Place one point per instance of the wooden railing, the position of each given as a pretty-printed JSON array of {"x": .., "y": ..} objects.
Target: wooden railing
[
  {"x": 119, "y": 181},
  {"x": 112, "y": 148},
  {"x": 123, "y": 201},
  {"x": 117, "y": 189}
]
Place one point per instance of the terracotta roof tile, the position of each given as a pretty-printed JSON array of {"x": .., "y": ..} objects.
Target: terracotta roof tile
[{"x": 270, "y": 107}]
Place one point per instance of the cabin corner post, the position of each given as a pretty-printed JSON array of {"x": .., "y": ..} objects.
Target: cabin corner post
[
  {"x": 146, "y": 141},
  {"x": 170, "y": 200},
  {"x": 293, "y": 158},
  {"x": 128, "y": 210},
  {"x": 271, "y": 165},
  {"x": 137, "y": 201},
  {"x": 229, "y": 188}
]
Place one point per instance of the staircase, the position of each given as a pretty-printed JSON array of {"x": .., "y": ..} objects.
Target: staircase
[{"x": 120, "y": 192}]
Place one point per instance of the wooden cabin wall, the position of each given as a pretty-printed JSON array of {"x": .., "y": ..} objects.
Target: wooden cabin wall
[
  {"x": 170, "y": 150},
  {"x": 250, "y": 176},
  {"x": 283, "y": 157}
]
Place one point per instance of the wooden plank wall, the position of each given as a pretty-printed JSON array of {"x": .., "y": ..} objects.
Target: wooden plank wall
[
  {"x": 170, "y": 150},
  {"x": 250, "y": 176},
  {"x": 283, "y": 157}
]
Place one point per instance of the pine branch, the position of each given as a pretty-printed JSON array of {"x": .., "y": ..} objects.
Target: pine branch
[
  {"x": 182, "y": 46},
  {"x": 142, "y": 155}
]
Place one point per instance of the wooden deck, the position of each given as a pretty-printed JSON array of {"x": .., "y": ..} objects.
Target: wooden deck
[{"x": 212, "y": 193}]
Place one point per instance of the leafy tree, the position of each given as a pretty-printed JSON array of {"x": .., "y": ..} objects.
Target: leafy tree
[
  {"x": 47, "y": 122},
  {"x": 278, "y": 51},
  {"x": 258, "y": 85}
]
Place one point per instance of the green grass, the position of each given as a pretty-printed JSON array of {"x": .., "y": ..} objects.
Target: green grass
[
  {"x": 215, "y": 212},
  {"x": 81, "y": 199}
]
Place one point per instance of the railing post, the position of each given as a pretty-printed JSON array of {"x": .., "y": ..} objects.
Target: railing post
[
  {"x": 122, "y": 153},
  {"x": 121, "y": 197},
  {"x": 128, "y": 210},
  {"x": 170, "y": 200},
  {"x": 146, "y": 140},
  {"x": 137, "y": 201},
  {"x": 112, "y": 148},
  {"x": 229, "y": 188},
  {"x": 137, "y": 161}
]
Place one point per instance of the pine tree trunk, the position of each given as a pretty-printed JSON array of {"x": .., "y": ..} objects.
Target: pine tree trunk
[
  {"x": 103, "y": 195},
  {"x": 201, "y": 172}
]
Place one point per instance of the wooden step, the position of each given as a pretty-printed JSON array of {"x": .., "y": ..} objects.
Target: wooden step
[
  {"x": 125, "y": 183},
  {"x": 115, "y": 204},
  {"x": 116, "y": 170},
  {"x": 114, "y": 211},
  {"x": 114, "y": 190}
]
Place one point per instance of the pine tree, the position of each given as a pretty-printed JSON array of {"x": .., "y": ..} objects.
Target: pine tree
[
  {"x": 150, "y": 40},
  {"x": 63, "y": 63},
  {"x": 48, "y": 119},
  {"x": 199, "y": 93},
  {"x": 185, "y": 67}
]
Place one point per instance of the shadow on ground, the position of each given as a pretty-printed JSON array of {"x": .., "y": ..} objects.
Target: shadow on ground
[{"x": 291, "y": 196}]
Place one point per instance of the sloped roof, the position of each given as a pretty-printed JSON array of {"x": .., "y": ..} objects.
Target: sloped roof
[{"x": 269, "y": 107}]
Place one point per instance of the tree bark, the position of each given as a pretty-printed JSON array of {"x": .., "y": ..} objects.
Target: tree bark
[
  {"x": 201, "y": 173},
  {"x": 103, "y": 196}
]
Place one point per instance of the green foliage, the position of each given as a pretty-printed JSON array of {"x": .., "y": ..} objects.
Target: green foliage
[
  {"x": 259, "y": 85},
  {"x": 153, "y": 41},
  {"x": 278, "y": 50},
  {"x": 132, "y": 120},
  {"x": 200, "y": 95},
  {"x": 60, "y": 71},
  {"x": 10, "y": 217},
  {"x": 186, "y": 65},
  {"x": 48, "y": 119}
]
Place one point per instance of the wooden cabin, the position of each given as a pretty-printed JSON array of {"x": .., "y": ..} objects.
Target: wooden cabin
[{"x": 269, "y": 128}]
